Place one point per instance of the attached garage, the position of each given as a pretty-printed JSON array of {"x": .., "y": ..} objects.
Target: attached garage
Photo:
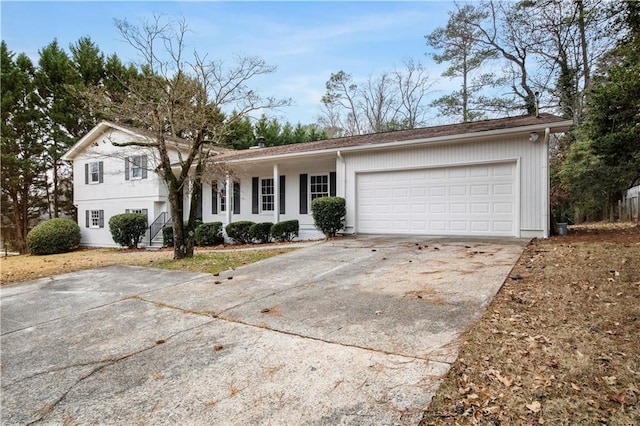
[{"x": 479, "y": 199}]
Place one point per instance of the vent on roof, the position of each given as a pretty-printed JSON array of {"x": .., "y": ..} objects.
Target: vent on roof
[{"x": 260, "y": 143}]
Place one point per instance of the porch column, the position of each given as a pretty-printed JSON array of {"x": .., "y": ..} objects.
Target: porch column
[
  {"x": 228, "y": 195},
  {"x": 276, "y": 194}
]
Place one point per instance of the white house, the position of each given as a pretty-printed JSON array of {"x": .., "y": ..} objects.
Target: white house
[{"x": 485, "y": 178}]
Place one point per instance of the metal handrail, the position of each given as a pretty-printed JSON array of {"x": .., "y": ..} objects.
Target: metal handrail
[{"x": 160, "y": 222}]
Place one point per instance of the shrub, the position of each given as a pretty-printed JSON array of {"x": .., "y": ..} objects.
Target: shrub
[
  {"x": 54, "y": 236},
  {"x": 285, "y": 231},
  {"x": 167, "y": 236},
  {"x": 209, "y": 234},
  {"x": 127, "y": 229},
  {"x": 239, "y": 231},
  {"x": 261, "y": 232},
  {"x": 329, "y": 214}
]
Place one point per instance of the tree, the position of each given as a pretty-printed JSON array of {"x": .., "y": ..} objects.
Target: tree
[
  {"x": 183, "y": 96},
  {"x": 23, "y": 154},
  {"x": 56, "y": 73},
  {"x": 605, "y": 159},
  {"x": 458, "y": 41},
  {"x": 391, "y": 101}
]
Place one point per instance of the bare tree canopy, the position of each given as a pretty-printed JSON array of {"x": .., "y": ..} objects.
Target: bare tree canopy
[
  {"x": 185, "y": 95},
  {"x": 391, "y": 101}
]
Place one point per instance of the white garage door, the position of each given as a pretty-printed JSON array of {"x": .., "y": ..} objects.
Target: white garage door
[{"x": 466, "y": 200}]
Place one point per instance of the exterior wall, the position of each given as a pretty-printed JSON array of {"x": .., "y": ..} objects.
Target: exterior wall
[
  {"x": 291, "y": 171},
  {"x": 115, "y": 194},
  {"x": 531, "y": 157}
]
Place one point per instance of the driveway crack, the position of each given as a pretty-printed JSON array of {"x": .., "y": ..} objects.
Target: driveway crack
[{"x": 45, "y": 411}]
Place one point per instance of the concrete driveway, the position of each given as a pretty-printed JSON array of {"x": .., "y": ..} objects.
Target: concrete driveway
[{"x": 351, "y": 331}]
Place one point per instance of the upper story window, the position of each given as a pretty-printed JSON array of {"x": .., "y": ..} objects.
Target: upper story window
[
  {"x": 135, "y": 167},
  {"x": 318, "y": 186},
  {"x": 267, "y": 194},
  {"x": 93, "y": 172}
]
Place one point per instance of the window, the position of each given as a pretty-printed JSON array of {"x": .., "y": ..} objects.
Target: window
[
  {"x": 222, "y": 193},
  {"x": 318, "y": 186},
  {"x": 267, "y": 195},
  {"x": 139, "y": 211},
  {"x": 135, "y": 167},
  {"x": 94, "y": 219},
  {"x": 93, "y": 172}
]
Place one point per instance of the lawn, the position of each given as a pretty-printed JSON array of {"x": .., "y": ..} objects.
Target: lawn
[
  {"x": 26, "y": 267},
  {"x": 560, "y": 343}
]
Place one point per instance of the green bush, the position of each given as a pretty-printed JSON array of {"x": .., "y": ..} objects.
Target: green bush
[
  {"x": 167, "y": 236},
  {"x": 54, "y": 236},
  {"x": 239, "y": 231},
  {"x": 261, "y": 232},
  {"x": 127, "y": 229},
  {"x": 329, "y": 214},
  {"x": 285, "y": 231},
  {"x": 209, "y": 234}
]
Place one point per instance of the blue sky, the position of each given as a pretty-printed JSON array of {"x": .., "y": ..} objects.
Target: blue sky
[{"x": 306, "y": 41}]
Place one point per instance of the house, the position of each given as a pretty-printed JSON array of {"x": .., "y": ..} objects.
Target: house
[{"x": 485, "y": 178}]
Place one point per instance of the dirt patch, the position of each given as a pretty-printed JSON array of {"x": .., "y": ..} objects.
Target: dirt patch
[{"x": 560, "y": 343}]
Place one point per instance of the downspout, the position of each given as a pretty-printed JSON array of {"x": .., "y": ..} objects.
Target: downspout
[{"x": 546, "y": 185}]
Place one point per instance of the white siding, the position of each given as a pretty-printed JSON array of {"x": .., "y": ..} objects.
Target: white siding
[
  {"x": 291, "y": 170},
  {"x": 529, "y": 154},
  {"x": 115, "y": 194}
]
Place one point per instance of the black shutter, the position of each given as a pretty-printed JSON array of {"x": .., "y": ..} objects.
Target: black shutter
[
  {"x": 126, "y": 168},
  {"x": 236, "y": 197},
  {"x": 101, "y": 213},
  {"x": 144, "y": 166},
  {"x": 86, "y": 174},
  {"x": 255, "y": 196},
  {"x": 332, "y": 184},
  {"x": 214, "y": 197},
  {"x": 304, "y": 209},
  {"x": 281, "y": 191},
  {"x": 101, "y": 172},
  {"x": 87, "y": 214}
]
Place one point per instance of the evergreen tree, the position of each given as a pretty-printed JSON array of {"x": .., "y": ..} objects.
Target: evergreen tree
[{"x": 23, "y": 153}]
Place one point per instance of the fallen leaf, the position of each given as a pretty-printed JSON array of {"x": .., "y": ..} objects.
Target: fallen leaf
[
  {"x": 535, "y": 406},
  {"x": 575, "y": 387}
]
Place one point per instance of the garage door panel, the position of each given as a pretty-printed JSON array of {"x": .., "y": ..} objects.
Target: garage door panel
[{"x": 465, "y": 200}]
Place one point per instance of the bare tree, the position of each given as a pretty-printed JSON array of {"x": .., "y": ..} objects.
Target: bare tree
[
  {"x": 390, "y": 101},
  {"x": 187, "y": 103}
]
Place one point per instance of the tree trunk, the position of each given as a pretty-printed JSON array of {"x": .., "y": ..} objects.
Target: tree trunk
[
  {"x": 56, "y": 207},
  {"x": 176, "y": 200}
]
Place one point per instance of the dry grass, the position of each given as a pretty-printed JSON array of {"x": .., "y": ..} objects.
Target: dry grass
[
  {"x": 26, "y": 267},
  {"x": 560, "y": 344}
]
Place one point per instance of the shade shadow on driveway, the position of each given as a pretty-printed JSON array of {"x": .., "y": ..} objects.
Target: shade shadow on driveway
[{"x": 349, "y": 331}]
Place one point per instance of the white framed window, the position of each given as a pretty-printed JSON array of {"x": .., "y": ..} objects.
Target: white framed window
[
  {"x": 135, "y": 167},
  {"x": 222, "y": 194},
  {"x": 94, "y": 172},
  {"x": 94, "y": 219},
  {"x": 318, "y": 186},
  {"x": 139, "y": 211},
  {"x": 267, "y": 195}
]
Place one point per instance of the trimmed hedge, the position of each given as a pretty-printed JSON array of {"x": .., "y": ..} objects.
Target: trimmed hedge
[
  {"x": 127, "y": 229},
  {"x": 285, "y": 231},
  {"x": 329, "y": 214},
  {"x": 54, "y": 236},
  {"x": 167, "y": 233},
  {"x": 167, "y": 236},
  {"x": 261, "y": 232},
  {"x": 239, "y": 231},
  {"x": 209, "y": 234}
]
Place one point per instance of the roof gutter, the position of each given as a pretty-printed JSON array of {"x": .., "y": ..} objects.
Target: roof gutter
[{"x": 559, "y": 126}]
